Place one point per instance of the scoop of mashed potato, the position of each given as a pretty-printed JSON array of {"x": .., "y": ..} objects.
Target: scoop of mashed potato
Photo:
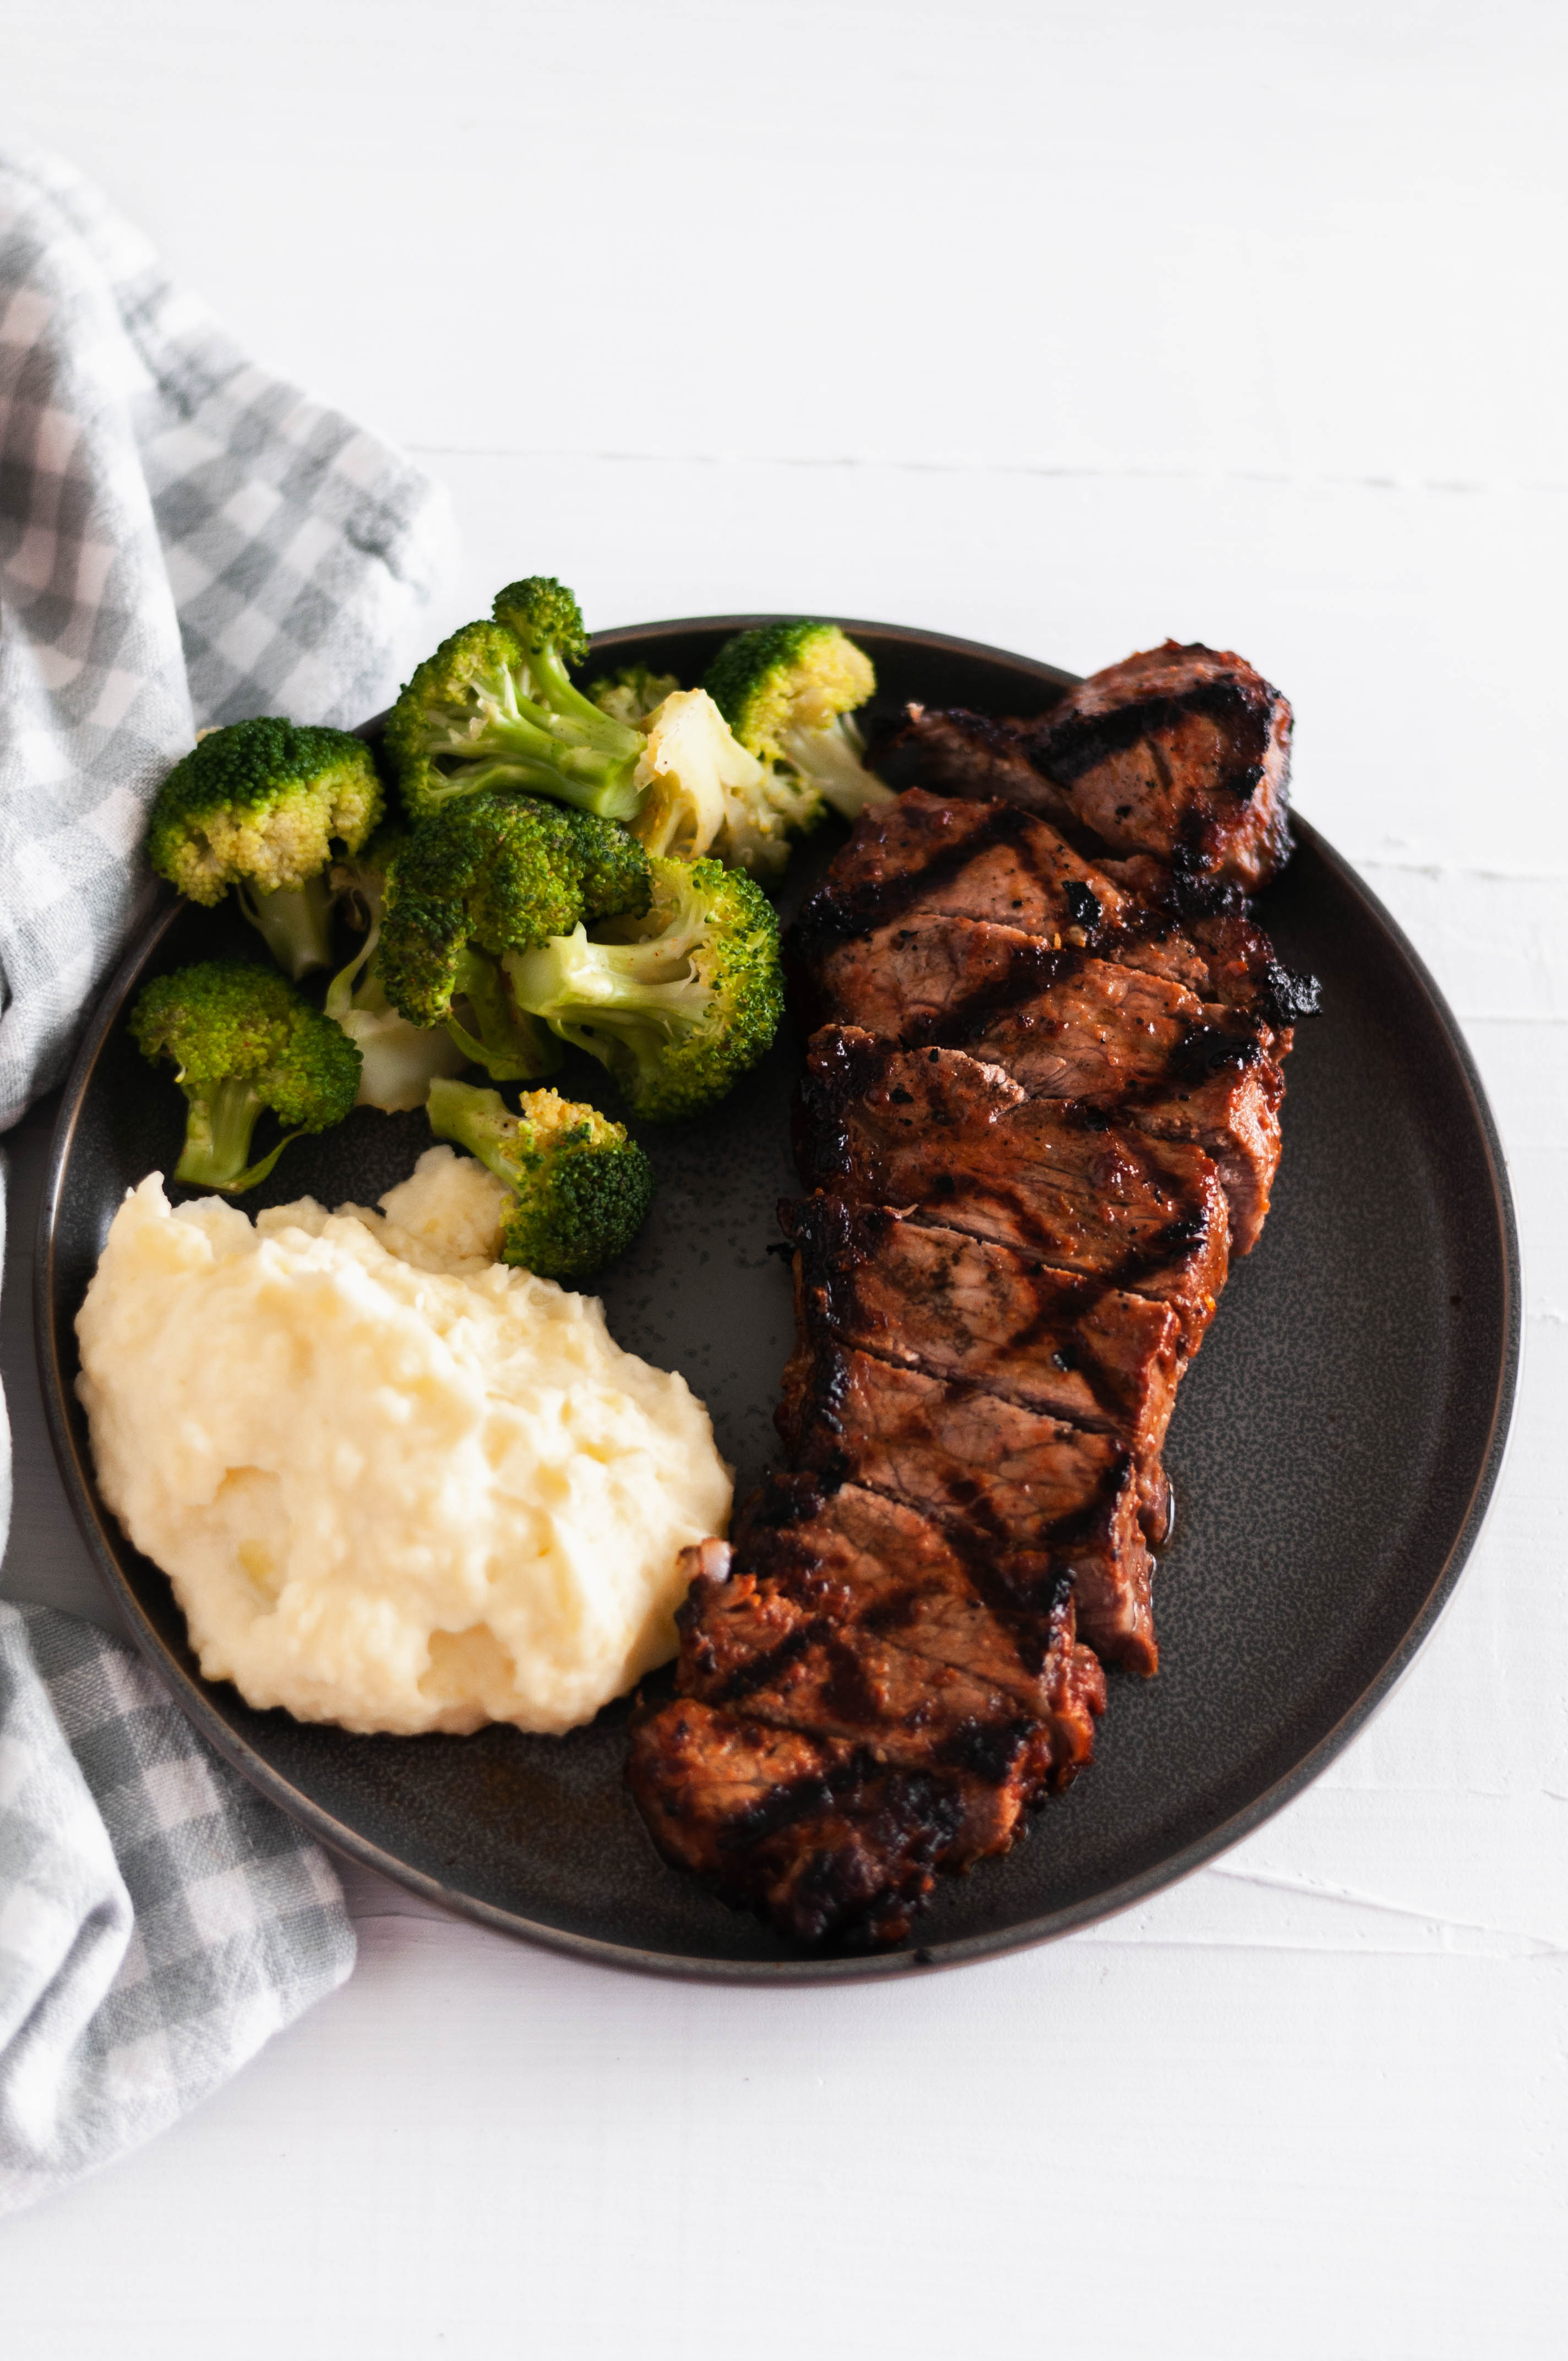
[{"x": 395, "y": 1485}]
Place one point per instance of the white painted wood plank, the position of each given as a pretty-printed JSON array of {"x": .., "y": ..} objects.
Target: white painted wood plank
[
  {"x": 1280, "y": 240},
  {"x": 475, "y": 2145}
]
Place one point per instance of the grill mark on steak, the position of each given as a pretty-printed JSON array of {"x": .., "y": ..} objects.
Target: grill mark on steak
[
  {"x": 923, "y": 858},
  {"x": 959, "y": 1308},
  {"x": 964, "y": 1307},
  {"x": 853, "y": 1718},
  {"x": 1182, "y": 753},
  {"x": 954, "y": 1451},
  {"x": 939, "y": 1130},
  {"x": 1067, "y": 1024}
]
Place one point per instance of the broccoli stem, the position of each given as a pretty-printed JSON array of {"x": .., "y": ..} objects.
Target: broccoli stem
[
  {"x": 578, "y": 756},
  {"x": 831, "y": 759},
  {"x": 399, "y": 1060},
  {"x": 294, "y": 921},
  {"x": 512, "y": 1047},
  {"x": 218, "y": 1131},
  {"x": 479, "y": 1120}
]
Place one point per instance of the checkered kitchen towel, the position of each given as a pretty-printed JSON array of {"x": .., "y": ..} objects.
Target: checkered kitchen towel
[{"x": 183, "y": 540}]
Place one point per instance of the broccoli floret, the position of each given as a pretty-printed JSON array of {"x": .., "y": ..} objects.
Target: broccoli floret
[
  {"x": 495, "y": 708},
  {"x": 400, "y": 1059},
  {"x": 581, "y": 1189},
  {"x": 704, "y": 793},
  {"x": 491, "y": 875},
  {"x": 256, "y": 806},
  {"x": 633, "y": 694},
  {"x": 678, "y": 1006},
  {"x": 788, "y": 691},
  {"x": 241, "y": 1038}
]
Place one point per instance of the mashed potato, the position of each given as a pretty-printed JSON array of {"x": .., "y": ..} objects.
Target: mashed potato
[{"x": 395, "y": 1485}]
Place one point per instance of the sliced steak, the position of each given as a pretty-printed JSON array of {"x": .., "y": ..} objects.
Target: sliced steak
[
  {"x": 814, "y": 1834},
  {"x": 1181, "y": 753},
  {"x": 925, "y": 857},
  {"x": 962, "y": 1307},
  {"x": 939, "y": 1130},
  {"x": 1065, "y": 1024},
  {"x": 853, "y": 1717},
  {"x": 1020, "y": 1480}
]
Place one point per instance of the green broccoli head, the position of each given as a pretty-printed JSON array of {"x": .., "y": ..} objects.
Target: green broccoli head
[
  {"x": 489, "y": 874},
  {"x": 789, "y": 690},
  {"x": 678, "y": 1006},
  {"x": 581, "y": 1189},
  {"x": 493, "y": 709},
  {"x": 633, "y": 694},
  {"x": 257, "y": 806},
  {"x": 241, "y": 1039}
]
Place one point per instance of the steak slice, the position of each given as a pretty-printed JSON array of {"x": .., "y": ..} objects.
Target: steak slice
[
  {"x": 1183, "y": 753},
  {"x": 1068, "y": 1026},
  {"x": 853, "y": 1717},
  {"x": 812, "y": 1833},
  {"x": 1180, "y": 752},
  {"x": 1020, "y": 1480},
  {"x": 939, "y": 1130},
  {"x": 962, "y": 1307},
  {"x": 926, "y": 856}
]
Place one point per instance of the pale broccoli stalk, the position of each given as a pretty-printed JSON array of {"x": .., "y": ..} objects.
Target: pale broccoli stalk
[
  {"x": 677, "y": 1006},
  {"x": 702, "y": 793},
  {"x": 789, "y": 690},
  {"x": 581, "y": 1189},
  {"x": 400, "y": 1059},
  {"x": 257, "y": 806}
]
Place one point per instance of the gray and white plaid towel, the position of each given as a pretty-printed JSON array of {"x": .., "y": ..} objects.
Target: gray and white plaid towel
[{"x": 183, "y": 540}]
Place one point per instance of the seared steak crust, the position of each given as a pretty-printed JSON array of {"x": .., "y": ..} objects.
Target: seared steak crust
[
  {"x": 1067, "y": 1024},
  {"x": 1182, "y": 753},
  {"x": 927, "y": 857},
  {"x": 1066, "y": 1185},
  {"x": 964, "y": 1307},
  {"x": 854, "y": 1716},
  {"x": 1068, "y": 1494}
]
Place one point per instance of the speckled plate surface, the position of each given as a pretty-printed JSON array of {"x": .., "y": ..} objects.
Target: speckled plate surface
[{"x": 1333, "y": 1451}]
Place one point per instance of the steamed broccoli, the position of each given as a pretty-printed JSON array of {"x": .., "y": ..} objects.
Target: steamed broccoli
[
  {"x": 256, "y": 806},
  {"x": 788, "y": 691},
  {"x": 243, "y": 1038},
  {"x": 704, "y": 793},
  {"x": 494, "y": 706},
  {"x": 678, "y": 1006},
  {"x": 633, "y": 694},
  {"x": 401, "y": 1060},
  {"x": 581, "y": 1189},
  {"x": 489, "y": 874}
]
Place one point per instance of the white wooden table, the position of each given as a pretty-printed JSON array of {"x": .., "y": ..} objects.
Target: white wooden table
[{"x": 1063, "y": 327}]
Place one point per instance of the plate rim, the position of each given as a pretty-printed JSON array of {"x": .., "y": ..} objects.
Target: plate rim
[{"x": 191, "y": 1694}]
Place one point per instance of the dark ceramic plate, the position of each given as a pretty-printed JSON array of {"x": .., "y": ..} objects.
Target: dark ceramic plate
[{"x": 1332, "y": 1453}]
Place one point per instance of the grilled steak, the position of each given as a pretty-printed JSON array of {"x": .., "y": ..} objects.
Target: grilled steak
[
  {"x": 962, "y": 1307},
  {"x": 1065, "y": 1024},
  {"x": 937, "y": 1129},
  {"x": 1069, "y": 1494},
  {"x": 854, "y": 1717},
  {"x": 1183, "y": 753},
  {"x": 924, "y": 857},
  {"x": 1040, "y": 1110}
]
